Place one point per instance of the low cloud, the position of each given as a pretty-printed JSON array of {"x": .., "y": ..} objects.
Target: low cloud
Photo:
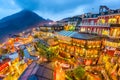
[
  {"x": 55, "y": 9},
  {"x": 51, "y": 5},
  {"x": 28, "y": 4}
]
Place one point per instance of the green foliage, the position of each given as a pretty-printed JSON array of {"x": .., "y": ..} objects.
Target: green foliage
[
  {"x": 44, "y": 51},
  {"x": 79, "y": 72},
  {"x": 54, "y": 50},
  {"x": 72, "y": 28},
  {"x": 75, "y": 74},
  {"x": 65, "y": 59},
  {"x": 69, "y": 75}
]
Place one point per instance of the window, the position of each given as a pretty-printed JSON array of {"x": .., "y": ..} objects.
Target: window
[
  {"x": 112, "y": 21},
  {"x": 82, "y": 30},
  {"x": 105, "y": 32},
  {"x": 115, "y": 32},
  {"x": 101, "y": 21}
]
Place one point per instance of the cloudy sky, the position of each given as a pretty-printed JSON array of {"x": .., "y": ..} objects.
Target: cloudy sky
[{"x": 55, "y": 9}]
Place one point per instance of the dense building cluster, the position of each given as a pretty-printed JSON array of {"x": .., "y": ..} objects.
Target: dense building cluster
[{"x": 87, "y": 45}]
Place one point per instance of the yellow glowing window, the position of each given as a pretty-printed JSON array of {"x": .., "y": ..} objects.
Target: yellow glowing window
[
  {"x": 82, "y": 29},
  {"x": 105, "y": 32},
  {"x": 112, "y": 21},
  {"x": 101, "y": 21}
]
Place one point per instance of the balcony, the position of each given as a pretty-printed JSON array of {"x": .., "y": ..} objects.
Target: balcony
[{"x": 95, "y": 25}]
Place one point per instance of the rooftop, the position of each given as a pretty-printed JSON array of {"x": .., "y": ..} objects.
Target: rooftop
[
  {"x": 36, "y": 71},
  {"x": 74, "y": 34},
  {"x": 85, "y": 36},
  {"x": 67, "y": 33}
]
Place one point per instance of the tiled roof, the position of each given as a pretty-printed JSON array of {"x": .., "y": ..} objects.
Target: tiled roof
[{"x": 38, "y": 72}]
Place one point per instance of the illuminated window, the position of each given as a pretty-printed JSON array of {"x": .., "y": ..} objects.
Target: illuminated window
[
  {"x": 119, "y": 20},
  {"x": 101, "y": 21},
  {"x": 115, "y": 32},
  {"x": 82, "y": 29},
  {"x": 112, "y": 21},
  {"x": 105, "y": 32}
]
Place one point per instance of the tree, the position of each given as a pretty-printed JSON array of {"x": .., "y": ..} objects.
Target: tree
[
  {"x": 79, "y": 72},
  {"x": 72, "y": 27},
  {"x": 44, "y": 51},
  {"x": 75, "y": 74},
  {"x": 69, "y": 75}
]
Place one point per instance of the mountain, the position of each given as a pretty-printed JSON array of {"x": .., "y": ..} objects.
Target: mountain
[
  {"x": 49, "y": 20},
  {"x": 18, "y": 22}
]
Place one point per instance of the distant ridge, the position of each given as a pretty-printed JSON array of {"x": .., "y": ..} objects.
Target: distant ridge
[
  {"x": 49, "y": 20},
  {"x": 18, "y": 22}
]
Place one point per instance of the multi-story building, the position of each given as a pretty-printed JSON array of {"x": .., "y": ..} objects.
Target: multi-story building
[
  {"x": 106, "y": 23},
  {"x": 74, "y": 21},
  {"x": 102, "y": 23}
]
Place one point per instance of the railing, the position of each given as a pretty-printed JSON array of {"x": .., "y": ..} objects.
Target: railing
[{"x": 99, "y": 25}]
